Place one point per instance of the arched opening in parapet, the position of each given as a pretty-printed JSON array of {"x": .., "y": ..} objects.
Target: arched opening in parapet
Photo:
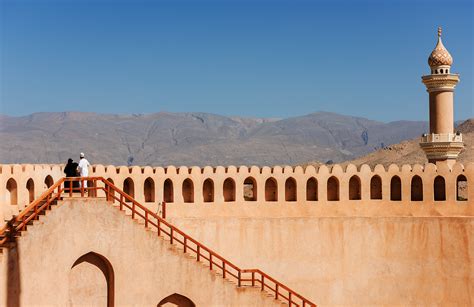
[
  {"x": 290, "y": 189},
  {"x": 271, "y": 190},
  {"x": 129, "y": 188},
  {"x": 439, "y": 188},
  {"x": 30, "y": 186},
  {"x": 188, "y": 191},
  {"x": 111, "y": 195},
  {"x": 48, "y": 182},
  {"x": 376, "y": 187},
  {"x": 229, "y": 189},
  {"x": 168, "y": 193},
  {"x": 91, "y": 281},
  {"x": 12, "y": 192},
  {"x": 91, "y": 186},
  {"x": 208, "y": 191},
  {"x": 176, "y": 300},
  {"x": 354, "y": 188},
  {"x": 250, "y": 189},
  {"x": 461, "y": 188},
  {"x": 149, "y": 190},
  {"x": 395, "y": 188},
  {"x": 312, "y": 189},
  {"x": 333, "y": 189},
  {"x": 416, "y": 188}
]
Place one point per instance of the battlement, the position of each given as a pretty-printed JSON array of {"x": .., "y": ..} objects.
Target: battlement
[{"x": 278, "y": 186}]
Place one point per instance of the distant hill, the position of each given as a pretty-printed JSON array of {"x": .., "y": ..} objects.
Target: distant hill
[
  {"x": 409, "y": 152},
  {"x": 195, "y": 138}
]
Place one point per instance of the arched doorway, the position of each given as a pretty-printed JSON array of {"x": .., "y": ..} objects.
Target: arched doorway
[
  {"x": 111, "y": 196},
  {"x": 149, "y": 190},
  {"x": 354, "y": 188},
  {"x": 229, "y": 190},
  {"x": 168, "y": 191},
  {"x": 208, "y": 191},
  {"x": 290, "y": 189},
  {"x": 92, "y": 281},
  {"x": 188, "y": 191},
  {"x": 395, "y": 188},
  {"x": 12, "y": 192},
  {"x": 177, "y": 300},
  {"x": 333, "y": 189},
  {"x": 129, "y": 188},
  {"x": 312, "y": 189},
  {"x": 48, "y": 182},
  {"x": 461, "y": 188},
  {"x": 271, "y": 190},
  {"x": 376, "y": 187},
  {"x": 250, "y": 189},
  {"x": 30, "y": 186},
  {"x": 416, "y": 188},
  {"x": 439, "y": 188}
]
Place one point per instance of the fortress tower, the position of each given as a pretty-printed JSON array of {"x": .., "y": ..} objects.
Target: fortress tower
[{"x": 441, "y": 144}]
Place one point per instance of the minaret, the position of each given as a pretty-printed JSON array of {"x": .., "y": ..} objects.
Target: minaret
[{"x": 441, "y": 144}]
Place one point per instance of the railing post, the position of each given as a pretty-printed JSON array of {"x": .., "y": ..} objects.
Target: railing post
[
  {"x": 133, "y": 209},
  {"x": 289, "y": 299},
  {"x": 239, "y": 281},
  {"x": 82, "y": 187},
  {"x": 263, "y": 281},
  {"x": 198, "y": 252},
  {"x": 158, "y": 226},
  {"x": 70, "y": 187},
  {"x": 210, "y": 261},
  {"x": 163, "y": 211},
  {"x": 171, "y": 235},
  {"x": 146, "y": 219},
  {"x": 223, "y": 269},
  {"x": 121, "y": 202},
  {"x": 276, "y": 291},
  {"x": 185, "y": 240},
  {"x": 253, "y": 279}
]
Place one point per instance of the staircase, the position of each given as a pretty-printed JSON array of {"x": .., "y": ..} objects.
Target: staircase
[{"x": 180, "y": 240}]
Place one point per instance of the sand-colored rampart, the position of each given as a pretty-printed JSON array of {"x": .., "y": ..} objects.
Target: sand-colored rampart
[
  {"x": 356, "y": 250},
  {"x": 344, "y": 190},
  {"x": 353, "y": 261},
  {"x": 143, "y": 269}
]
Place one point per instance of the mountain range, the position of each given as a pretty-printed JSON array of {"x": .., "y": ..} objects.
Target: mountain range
[{"x": 196, "y": 138}]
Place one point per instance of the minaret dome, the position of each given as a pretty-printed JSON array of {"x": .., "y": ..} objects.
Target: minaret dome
[{"x": 440, "y": 60}]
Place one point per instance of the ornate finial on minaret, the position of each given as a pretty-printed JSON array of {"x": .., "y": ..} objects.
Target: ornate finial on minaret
[{"x": 441, "y": 144}]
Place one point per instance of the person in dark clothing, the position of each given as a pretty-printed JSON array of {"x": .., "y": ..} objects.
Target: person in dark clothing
[{"x": 71, "y": 171}]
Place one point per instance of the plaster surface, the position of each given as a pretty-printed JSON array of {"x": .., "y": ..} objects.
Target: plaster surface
[
  {"x": 146, "y": 268},
  {"x": 353, "y": 261}
]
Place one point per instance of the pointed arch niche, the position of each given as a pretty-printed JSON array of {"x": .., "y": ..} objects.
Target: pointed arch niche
[
  {"x": 92, "y": 281},
  {"x": 176, "y": 300}
]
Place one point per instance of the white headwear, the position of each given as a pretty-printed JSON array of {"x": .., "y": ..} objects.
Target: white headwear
[{"x": 82, "y": 155}]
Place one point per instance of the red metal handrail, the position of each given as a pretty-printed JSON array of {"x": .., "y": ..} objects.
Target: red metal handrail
[{"x": 244, "y": 277}]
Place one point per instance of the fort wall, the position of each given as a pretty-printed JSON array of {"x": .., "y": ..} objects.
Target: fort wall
[
  {"x": 353, "y": 261},
  {"x": 337, "y": 235},
  {"x": 50, "y": 267},
  {"x": 437, "y": 189}
]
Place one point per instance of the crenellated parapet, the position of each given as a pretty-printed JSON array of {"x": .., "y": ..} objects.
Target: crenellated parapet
[{"x": 282, "y": 186}]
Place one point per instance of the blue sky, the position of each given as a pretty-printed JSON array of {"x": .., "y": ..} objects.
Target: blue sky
[{"x": 247, "y": 58}]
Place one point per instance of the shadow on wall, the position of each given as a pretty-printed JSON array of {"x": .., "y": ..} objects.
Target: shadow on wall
[
  {"x": 176, "y": 299},
  {"x": 13, "y": 270}
]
